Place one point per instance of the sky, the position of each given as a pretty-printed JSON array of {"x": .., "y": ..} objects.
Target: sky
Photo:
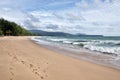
[{"x": 95, "y": 17}]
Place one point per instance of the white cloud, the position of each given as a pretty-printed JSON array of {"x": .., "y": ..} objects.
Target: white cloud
[
  {"x": 56, "y": 3},
  {"x": 96, "y": 17},
  {"x": 92, "y": 21},
  {"x": 12, "y": 15},
  {"x": 82, "y": 4}
]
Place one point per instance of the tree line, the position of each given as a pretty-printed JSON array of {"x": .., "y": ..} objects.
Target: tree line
[{"x": 8, "y": 28}]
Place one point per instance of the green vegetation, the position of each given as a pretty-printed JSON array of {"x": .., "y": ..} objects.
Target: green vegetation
[
  {"x": 8, "y": 28},
  {"x": 1, "y": 33}
]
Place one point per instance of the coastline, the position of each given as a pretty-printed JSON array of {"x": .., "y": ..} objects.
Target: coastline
[
  {"x": 21, "y": 59},
  {"x": 81, "y": 53}
]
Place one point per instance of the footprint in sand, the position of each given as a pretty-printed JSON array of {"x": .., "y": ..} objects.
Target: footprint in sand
[
  {"x": 12, "y": 73},
  {"x": 34, "y": 70},
  {"x": 31, "y": 65},
  {"x": 41, "y": 77},
  {"x": 10, "y": 68},
  {"x": 9, "y": 54},
  {"x": 23, "y": 62},
  {"x": 37, "y": 73},
  {"x": 38, "y": 67},
  {"x": 15, "y": 58},
  {"x": 11, "y": 79}
]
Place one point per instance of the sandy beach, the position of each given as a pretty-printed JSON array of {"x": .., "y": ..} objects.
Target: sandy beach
[{"x": 21, "y": 59}]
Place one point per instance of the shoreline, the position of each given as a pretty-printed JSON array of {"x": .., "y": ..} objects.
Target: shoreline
[
  {"x": 81, "y": 54},
  {"x": 22, "y": 59}
]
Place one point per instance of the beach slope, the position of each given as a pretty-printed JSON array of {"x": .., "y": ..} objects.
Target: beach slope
[{"x": 21, "y": 59}]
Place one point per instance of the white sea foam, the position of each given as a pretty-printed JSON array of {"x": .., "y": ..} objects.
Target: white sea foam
[
  {"x": 56, "y": 40},
  {"x": 67, "y": 42},
  {"x": 109, "y": 50},
  {"x": 105, "y": 46}
]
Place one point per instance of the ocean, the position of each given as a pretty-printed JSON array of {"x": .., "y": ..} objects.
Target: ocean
[{"x": 105, "y": 50}]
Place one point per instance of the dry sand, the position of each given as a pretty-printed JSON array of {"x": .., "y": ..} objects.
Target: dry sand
[{"x": 21, "y": 59}]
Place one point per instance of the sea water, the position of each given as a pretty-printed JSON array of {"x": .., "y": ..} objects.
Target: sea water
[
  {"x": 102, "y": 45},
  {"x": 108, "y": 45}
]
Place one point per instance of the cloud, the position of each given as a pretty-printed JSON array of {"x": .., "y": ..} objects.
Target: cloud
[
  {"x": 82, "y": 4},
  {"x": 12, "y": 14},
  {"x": 56, "y": 3},
  {"x": 51, "y": 26},
  {"x": 82, "y": 16}
]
